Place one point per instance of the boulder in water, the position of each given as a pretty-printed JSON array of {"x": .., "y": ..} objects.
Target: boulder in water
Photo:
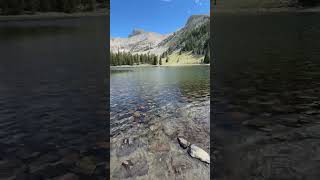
[{"x": 196, "y": 152}]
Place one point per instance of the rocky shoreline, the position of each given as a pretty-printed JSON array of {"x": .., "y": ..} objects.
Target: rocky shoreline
[{"x": 150, "y": 149}]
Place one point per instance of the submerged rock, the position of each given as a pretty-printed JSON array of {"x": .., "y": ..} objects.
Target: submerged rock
[
  {"x": 136, "y": 114},
  {"x": 127, "y": 141},
  {"x": 138, "y": 166},
  {"x": 196, "y": 152},
  {"x": 183, "y": 142},
  {"x": 127, "y": 164}
]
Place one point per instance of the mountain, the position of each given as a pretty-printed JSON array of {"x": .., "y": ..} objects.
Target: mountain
[
  {"x": 138, "y": 41},
  {"x": 193, "y": 38}
]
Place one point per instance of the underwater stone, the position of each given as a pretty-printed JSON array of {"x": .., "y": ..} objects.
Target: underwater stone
[
  {"x": 183, "y": 143},
  {"x": 196, "y": 152}
]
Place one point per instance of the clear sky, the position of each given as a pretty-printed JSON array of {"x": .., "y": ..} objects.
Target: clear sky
[{"x": 162, "y": 16}]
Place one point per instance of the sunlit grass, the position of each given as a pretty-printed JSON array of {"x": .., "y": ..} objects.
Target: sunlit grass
[{"x": 184, "y": 58}]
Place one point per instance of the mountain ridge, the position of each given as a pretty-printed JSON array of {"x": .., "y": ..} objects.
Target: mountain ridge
[
  {"x": 143, "y": 42},
  {"x": 137, "y": 42}
]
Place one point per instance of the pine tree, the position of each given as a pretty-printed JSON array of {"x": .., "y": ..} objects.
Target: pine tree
[
  {"x": 125, "y": 58},
  {"x": 155, "y": 60},
  {"x": 206, "y": 59},
  {"x": 12, "y": 7}
]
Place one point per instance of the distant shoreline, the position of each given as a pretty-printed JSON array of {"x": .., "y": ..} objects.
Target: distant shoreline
[
  {"x": 53, "y": 15},
  {"x": 165, "y": 65},
  {"x": 264, "y": 10}
]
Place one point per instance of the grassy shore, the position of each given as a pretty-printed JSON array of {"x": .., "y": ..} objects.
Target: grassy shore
[{"x": 184, "y": 58}]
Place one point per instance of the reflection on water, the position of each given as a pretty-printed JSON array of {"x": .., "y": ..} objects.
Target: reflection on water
[
  {"x": 151, "y": 89},
  {"x": 267, "y": 83},
  {"x": 274, "y": 56}
]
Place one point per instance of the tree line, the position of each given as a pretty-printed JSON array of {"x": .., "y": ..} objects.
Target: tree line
[
  {"x": 308, "y": 3},
  {"x": 16, "y": 7},
  {"x": 126, "y": 58}
]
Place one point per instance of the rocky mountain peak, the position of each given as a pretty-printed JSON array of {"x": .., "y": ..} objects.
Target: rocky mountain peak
[
  {"x": 139, "y": 41},
  {"x": 197, "y": 20},
  {"x": 142, "y": 42},
  {"x": 136, "y": 32}
]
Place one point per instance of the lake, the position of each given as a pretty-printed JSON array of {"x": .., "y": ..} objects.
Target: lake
[
  {"x": 53, "y": 98},
  {"x": 267, "y": 84},
  {"x": 150, "y": 107}
]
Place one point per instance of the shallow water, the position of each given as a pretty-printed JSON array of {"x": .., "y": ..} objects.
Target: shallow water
[
  {"x": 155, "y": 91},
  {"x": 53, "y": 98},
  {"x": 150, "y": 107}
]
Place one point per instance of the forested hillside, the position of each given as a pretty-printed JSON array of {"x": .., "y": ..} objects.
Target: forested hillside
[
  {"x": 194, "y": 38},
  {"x": 16, "y": 7},
  {"x": 188, "y": 45}
]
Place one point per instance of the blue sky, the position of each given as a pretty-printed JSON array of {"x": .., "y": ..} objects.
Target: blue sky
[{"x": 162, "y": 16}]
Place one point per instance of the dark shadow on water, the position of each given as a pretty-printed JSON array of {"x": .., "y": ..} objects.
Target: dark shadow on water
[
  {"x": 267, "y": 83},
  {"x": 53, "y": 77}
]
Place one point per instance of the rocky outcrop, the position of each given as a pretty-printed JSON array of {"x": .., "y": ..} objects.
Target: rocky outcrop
[
  {"x": 138, "y": 41},
  {"x": 136, "y": 32},
  {"x": 199, "y": 153}
]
